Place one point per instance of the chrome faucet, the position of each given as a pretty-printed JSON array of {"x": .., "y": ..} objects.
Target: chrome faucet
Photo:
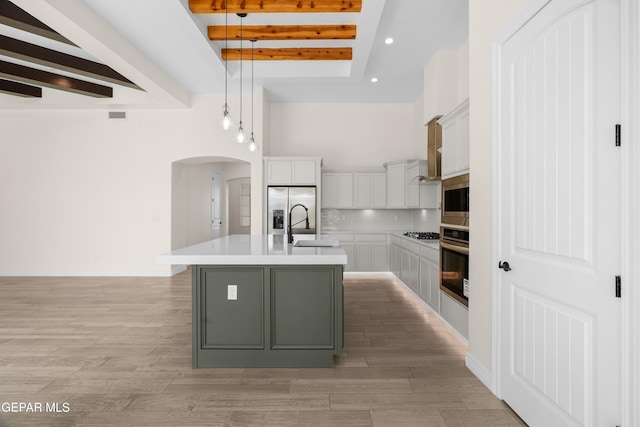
[{"x": 290, "y": 226}]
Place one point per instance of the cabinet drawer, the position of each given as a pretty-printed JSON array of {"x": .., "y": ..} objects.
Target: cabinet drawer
[
  {"x": 411, "y": 247},
  {"x": 371, "y": 237},
  {"x": 342, "y": 237},
  {"x": 396, "y": 240},
  {"x": 430, "y": 254}
]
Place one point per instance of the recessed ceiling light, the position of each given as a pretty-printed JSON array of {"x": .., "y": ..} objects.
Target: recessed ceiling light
[
  {"x": 388, "y": 40},
  {"x": 374, "y": 79}
]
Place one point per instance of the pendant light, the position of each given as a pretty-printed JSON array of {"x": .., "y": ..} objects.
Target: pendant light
[
  {"x": 253, "y": 146},
  {"x": 225, "y": 120},
  {"x": 241, "y": 137}
]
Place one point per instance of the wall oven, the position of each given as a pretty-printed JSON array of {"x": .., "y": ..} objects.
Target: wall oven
[
  {"x": 455, "y": 200},
  {"x": 454, "y": 262}
]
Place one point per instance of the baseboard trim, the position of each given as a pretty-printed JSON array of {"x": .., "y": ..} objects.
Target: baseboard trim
[
  {"x": 479, "y": 371},
  {"x": 368, "y": 274},
  {"x": 173, "y": 272}
]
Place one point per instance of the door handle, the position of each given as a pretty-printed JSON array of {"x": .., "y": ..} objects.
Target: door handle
[{"x": 504, "y": 265}]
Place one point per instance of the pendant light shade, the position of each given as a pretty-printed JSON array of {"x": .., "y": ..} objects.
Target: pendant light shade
[
  {"x": 225, "y": 120},
  {"x": 241, "y": 137},
  {"x": 253, "y": 146}
]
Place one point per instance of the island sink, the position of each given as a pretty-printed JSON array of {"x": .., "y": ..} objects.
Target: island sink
[{"x": 312, "y": 243}]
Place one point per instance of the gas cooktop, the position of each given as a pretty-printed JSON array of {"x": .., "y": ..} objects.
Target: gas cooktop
[{"x": 423, "y": 235}]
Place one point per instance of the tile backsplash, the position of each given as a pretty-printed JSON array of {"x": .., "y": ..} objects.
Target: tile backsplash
[{"x": 380, "y": 219}]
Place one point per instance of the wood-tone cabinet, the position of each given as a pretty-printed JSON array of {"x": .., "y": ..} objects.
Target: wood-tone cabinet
[{"x": 455, "y": 141}]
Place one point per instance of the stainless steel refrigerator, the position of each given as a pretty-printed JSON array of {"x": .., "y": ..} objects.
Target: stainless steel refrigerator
[{"x": 299, "y": 202}]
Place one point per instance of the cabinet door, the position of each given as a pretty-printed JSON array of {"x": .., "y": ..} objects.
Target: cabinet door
[
  {"x": 231, "y": 323},
  {"x": 378, "y": 190},
  {"x": 394, "y": 262},
  {"x": 413, "y": 189},
  {"x": 302, "y": 307},
  {"x": 380, "y": 257},
  {"x": 463, "y": 150},
  {"x": 430, "y": 283},
  {"x": 279, "y": 173},
  {"x": 303, "y": 172},
  {"x": 364, "y": 256},
  {"x": 329, "y": 190},
  {"x": 345, "y": 190},
  {"x": 434, "y": 286},
  {"x": 450, "y": 147},
  {"x": 362, "y": 190},
  {"x": 349, "y": 249},
  {"x": 413, "y": 272},
  {"x": 395, "y": 185}
]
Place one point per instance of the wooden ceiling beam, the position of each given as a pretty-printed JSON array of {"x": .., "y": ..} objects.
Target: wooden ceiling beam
[
  {"x": 12, "y": 16},
  {"x": 51, "y": 58},
  {"x": 274, "y": 6},
  {"x": 55, "y": 81},
  {"x": 290, "y": 54},
  {"x": 20, "y": 89},
  {"x": 283, "y": 32}
]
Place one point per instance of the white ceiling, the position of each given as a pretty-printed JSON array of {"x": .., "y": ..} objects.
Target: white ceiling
[{"x": 162, "y": 46}]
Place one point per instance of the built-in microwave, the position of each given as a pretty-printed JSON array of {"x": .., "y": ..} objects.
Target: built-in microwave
[{"x": 455, "y": 200}]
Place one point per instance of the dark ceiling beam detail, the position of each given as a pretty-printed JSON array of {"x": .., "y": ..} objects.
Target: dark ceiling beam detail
[
  {"x": 283, "y": 32},
  {"x": 274, "y": 6},
  {"x": 290, "y": 54},
  {"x": 50, "y": 58},
  {"x": 12, "y": 16},
  {"x": 20, "y": 89},
  {"x": 55, "y": 81}
]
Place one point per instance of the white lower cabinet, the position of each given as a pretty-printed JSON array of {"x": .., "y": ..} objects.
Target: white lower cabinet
[
  {"x": 372, "y": 253},
  {"x": 418, "y": 267},
  {"x": 429, "y": 289},
  {"x": 365, "y": 252}
]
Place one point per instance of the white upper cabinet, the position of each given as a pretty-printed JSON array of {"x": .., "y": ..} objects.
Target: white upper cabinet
[
  {"x": 353, "y": 190},
  {"x": 293, "y": 171},
  {"x": 455, "y": 141},
  {"x": 396, "y": 182},
  {"x": 370, "y": 190},
  {"x": 345, "y": 190}
]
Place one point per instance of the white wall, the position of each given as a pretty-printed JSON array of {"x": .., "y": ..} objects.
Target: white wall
[
  {"x": 486, "y": 18},
  {"x": 82, "y": 194},
  {"x": 346, "y": 136},
  {"x": 446, "y": 81}
]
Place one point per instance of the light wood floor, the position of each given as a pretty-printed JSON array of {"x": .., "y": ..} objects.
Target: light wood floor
[{"x": 118, "y": 352}]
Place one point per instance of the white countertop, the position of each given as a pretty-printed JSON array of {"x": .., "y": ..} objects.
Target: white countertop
[
  {"x": 435, "y": 245},
  {"x": 245, "y": 249}
]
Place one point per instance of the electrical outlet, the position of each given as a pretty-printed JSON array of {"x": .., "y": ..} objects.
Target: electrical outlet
[
  {"x": 343, "y": 218},
  {"x": 395, "y": 217},
  {"x": 232, "y": 292}
]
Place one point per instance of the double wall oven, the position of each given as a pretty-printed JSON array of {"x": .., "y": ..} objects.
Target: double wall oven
[{"x": 454, "y": 238}]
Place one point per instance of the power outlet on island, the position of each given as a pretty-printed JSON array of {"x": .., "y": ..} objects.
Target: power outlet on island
[{"x": 232, "y": 292}]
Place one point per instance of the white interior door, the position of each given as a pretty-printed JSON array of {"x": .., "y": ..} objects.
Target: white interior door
[
  {"x": 558, "y": 101},
  {"x": 216, "y": 205}
]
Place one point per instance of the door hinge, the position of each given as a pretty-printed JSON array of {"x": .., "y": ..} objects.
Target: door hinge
[
  {"x": 618, "y": 135},
  {"x": 618, "y": 287}
]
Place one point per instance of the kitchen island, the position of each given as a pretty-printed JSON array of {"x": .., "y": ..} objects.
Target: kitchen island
[{"x": 258, "y": 301}]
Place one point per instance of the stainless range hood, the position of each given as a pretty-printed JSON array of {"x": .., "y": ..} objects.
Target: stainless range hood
[{"x": 434, "y": 148}]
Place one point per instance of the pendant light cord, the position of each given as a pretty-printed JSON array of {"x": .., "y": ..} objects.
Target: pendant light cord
[
  {"x": 241, "y": 71},
  {"x": 252, "y": 44},
  {"x": 226, "y": 48}
]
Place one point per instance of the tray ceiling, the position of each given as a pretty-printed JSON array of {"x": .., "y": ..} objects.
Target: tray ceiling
[{"x": 121, "y": 53}]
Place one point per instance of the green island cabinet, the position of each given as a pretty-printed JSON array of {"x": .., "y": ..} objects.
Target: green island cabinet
[{"x": 282, "y": 315}]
